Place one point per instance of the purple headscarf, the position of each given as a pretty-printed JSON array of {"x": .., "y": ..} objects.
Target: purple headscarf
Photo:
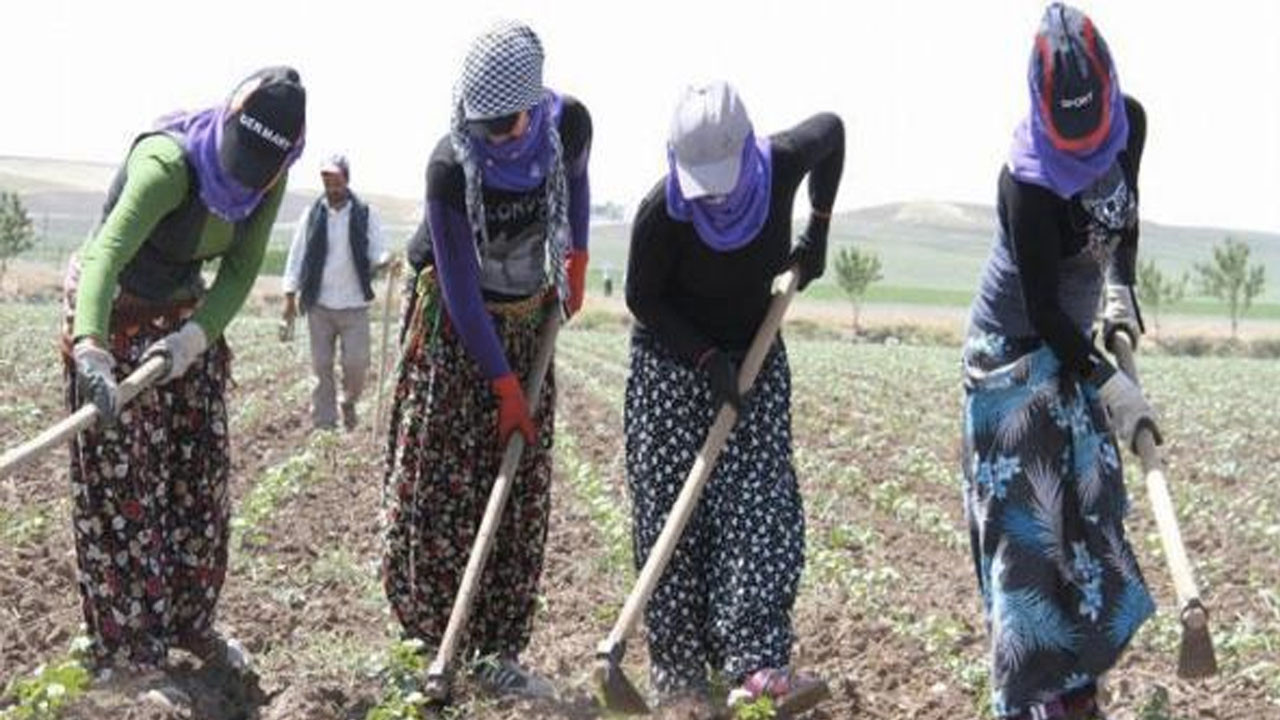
[
  {"x": 728, "y": 223},
  {"x": 521, "y": 164},
  {"x": 1033, "y": 158},
  {"x": 201, "y": 133}
]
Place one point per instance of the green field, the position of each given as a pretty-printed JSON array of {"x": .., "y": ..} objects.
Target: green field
[
  {"x": 932, "y": 252},
  {"x": 939, "y": 264}
]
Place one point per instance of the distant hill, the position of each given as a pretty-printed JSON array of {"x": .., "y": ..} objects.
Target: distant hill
[
  {"x": 64, "y": 199},
  {"x": 933, "y": 252},
  {"x": 944, "y": 245},
  {"x": 930, "y": 250},
  {"x": 941, "y": 247}
]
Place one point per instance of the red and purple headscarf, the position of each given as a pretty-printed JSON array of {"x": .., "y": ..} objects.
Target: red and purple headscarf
[{"x": 1076, "y": 125}]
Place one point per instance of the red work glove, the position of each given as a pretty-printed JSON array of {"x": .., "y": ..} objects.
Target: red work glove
[
  {"x": 513, "y": 411},
  {"x": 576, "y": 265}
]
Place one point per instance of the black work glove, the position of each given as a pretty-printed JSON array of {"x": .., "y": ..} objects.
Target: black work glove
[
  {"x": 1125, "y": 404},
  {"x": 810, "y": 250},
  {"x": 722, "y": 371}
]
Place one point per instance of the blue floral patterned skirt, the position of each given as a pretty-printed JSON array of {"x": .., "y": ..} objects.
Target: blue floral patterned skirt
[{"x": 1045, "y": 500}]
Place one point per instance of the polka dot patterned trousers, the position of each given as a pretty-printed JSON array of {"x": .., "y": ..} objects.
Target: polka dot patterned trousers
[{"x": 724, "y": 602}]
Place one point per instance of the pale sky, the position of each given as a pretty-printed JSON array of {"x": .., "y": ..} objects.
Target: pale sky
[{"x": 930, "y": 90}]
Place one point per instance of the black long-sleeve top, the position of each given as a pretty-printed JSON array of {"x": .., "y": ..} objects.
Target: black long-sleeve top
[
  {"x": 695, "y": 298},
  {"x": 1045, "y": 236}
]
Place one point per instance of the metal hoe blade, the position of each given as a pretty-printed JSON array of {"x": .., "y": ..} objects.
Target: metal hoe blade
[
  {"x": 1196, "y": 658},
  {"x": 615, "y": 690},
  {"x": 437, "y": 688}
]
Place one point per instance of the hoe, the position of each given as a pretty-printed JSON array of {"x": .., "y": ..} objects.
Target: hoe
[{"x": 1195, "y": 655}]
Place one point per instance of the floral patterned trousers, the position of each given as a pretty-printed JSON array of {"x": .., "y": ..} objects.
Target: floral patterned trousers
[
  {"x": 151, "y": 511},
  {"x": 724, "y": 602},
  {"x": 442, "y": 459}
]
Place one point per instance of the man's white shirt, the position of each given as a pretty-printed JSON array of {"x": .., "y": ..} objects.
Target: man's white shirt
[{"x": 339, "y": 282}]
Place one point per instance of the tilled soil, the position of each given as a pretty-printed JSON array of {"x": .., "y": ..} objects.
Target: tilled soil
[{"x": 888, "y": 613}]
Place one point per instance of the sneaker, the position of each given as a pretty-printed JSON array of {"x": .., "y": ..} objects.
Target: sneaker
[
  {"x": 687, "y": 705},
  {"x": 111, "y": 677},
  {"x": 1075, "y": 705},
  {"x": 506, "y": 678},
  {"x": 1083, "y": 708},
  {"x": 221, "y": 651},
  {"x": 349, "y": 417},
  {"x": 105, "y": 677},
  {"x": 168, "y": 695},
  {"x": 792, "y": 693}
]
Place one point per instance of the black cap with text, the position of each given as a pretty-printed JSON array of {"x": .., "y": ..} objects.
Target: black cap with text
[{"x": 264, "y": 121}]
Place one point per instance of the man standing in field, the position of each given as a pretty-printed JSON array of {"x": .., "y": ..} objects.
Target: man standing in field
[{"x": 336, "y": 248}]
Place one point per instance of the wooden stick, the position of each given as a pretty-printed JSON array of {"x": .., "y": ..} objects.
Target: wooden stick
[
  {"x": 140, "y": 379},
  {"x": 382, "y": 357}
]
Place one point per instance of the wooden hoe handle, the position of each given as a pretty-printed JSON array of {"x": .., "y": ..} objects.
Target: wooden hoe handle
[
  {"x": 1158, "y": 490},
  {"x": 140, "y": 379}
]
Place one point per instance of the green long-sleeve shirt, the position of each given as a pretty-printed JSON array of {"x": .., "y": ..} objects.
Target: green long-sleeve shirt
[{"x": 157, "y": 183}]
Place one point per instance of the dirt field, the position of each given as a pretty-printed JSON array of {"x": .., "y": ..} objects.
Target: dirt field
[{"x": 889, "y": 612}]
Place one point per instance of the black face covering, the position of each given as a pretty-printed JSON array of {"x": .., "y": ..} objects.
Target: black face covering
[
  {"x": 493, "y": 126},
  {"x": 261, "y": 130}
]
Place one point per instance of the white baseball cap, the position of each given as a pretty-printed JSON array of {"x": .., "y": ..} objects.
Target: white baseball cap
[
  {"x": 708, "y": 130},
  {"x": 335, "y": 164}
]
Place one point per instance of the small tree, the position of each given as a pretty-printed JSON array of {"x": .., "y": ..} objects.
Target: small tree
[
  {"x": 16, "y": 233},
  {"x": 1231, "y": 279},
  {"x": 1156, "y": 290},
  {"x": 855, "y": 271}
]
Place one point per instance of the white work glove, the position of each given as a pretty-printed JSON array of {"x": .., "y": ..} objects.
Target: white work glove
[
  {"x": 1127, "y": 408},
  {"x": 1121, "y": 313},
  {"x": 179, "y": 349},
  {"x": 96, "y": 379}
]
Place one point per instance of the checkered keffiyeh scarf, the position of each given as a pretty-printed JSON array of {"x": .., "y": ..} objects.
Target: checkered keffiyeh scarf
[{"x": 502, "y": 75}]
